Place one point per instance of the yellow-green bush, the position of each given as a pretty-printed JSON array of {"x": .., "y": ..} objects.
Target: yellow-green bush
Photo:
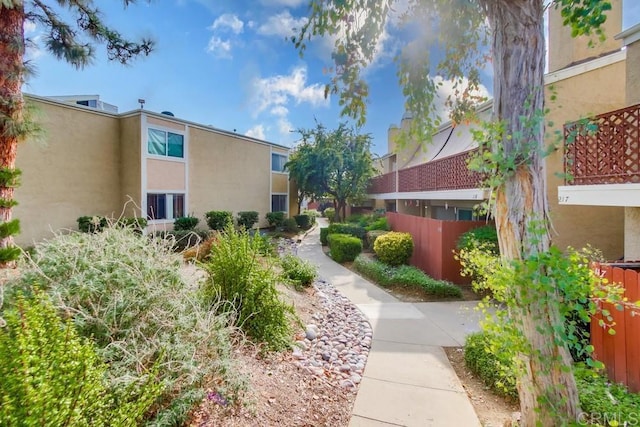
[
  {"x": 343, "y": 247},
  {"x": 394, "y": 248}
]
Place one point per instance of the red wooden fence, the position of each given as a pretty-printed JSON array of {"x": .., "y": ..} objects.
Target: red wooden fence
[
  {"x": 434, "y": 242},
  {"x": 620, "y": 352}
]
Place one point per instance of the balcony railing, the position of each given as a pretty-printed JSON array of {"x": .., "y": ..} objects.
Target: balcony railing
[
  {"x": 604, "y": 149},
  {"x": 450, "y": 173}
]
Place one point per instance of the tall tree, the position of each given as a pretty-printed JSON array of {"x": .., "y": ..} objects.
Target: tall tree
[
  {"x": 336, "y": 162},
  {"x": 73, "y": 43},
  {"x": 462, "y": 29}
]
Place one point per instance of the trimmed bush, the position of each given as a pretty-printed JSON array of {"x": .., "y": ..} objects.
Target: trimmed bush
[
  {"x": 248, "y": 219},
  {"x": 303, "y": 221},
  {"x": 394, "y": 248},
  {"x": 185, "y": 223},
  {"x": 290, "y": 225},
  {"x": 330, "y": 214},
  {"x": 94, "y": 224},
  {"x": 379, "y": 224},
  {"x": 312, "y": 214},
  {"x": 179, "y": 240},
  {"x": 300, "y": 272},
  {"x": 51, "y": 374},
  {"x": 485, "y": 236},
  {"x": 246, "y": 285},
  {"x": 495, "y": 366},
  {"x": 371, "y": 236},
  {"x": 343, "y": 247},
  {"x": 275, "y": 219},
  {"x": 218, "y": 220},
  {"x": 324, "y": 233},
  {"x": 353, "y": 230},
  {"x": 91, "y": 224}
]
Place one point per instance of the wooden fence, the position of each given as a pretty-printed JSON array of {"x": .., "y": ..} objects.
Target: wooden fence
[
  {"x": 619, "y": 352},
  {"x": 434, "y": 242}
]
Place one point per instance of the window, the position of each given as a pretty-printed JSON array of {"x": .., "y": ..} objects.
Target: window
[
  {"x": 277, "y": 162},
  {"x": 279, "y": 203},
  {"x": 163, "y": 143},
  {"x": 165, "y": 206}
]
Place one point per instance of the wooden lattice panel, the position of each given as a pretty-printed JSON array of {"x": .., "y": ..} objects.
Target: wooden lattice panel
[
  {"x": 450, "y": 173},
  {"x": 604, "y": 149},
  {"x": 383, "y": 184}
]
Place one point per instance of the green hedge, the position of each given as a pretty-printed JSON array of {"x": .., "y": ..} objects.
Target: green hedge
[
  {"x": 290, "y": 225},
  {"x": 324, "y": 233},
  {"x": 371, "y": 236},
  {"x": 394, "y": 248},
  {"x": 353, "y": 230},
  {"x": 485, "y": 235},
  {"x": 94, "y": 224},
  {"x": 248, "y": 219},
  {"x": 218, "y": 220},
  {"x": 275, "y": 219},
  {"x": 185, "y": 223},
  {"x": 343, "y": 247},
  {"x": 303, "y": 221}
]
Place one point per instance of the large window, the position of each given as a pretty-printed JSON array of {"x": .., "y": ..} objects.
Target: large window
[
  {"x": 165, "y": 206},
  {"x": 277, "y": 162},
  {"x": 279, "y": 203},
  {"x": 163, "y": 143}
]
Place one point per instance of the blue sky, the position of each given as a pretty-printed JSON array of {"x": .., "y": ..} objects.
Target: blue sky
[{"x": 227, "y": 63}]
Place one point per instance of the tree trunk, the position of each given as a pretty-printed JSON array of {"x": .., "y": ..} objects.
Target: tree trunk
[
  {"x": 547, "y": 389},
  {"x": 11, "y": 102}
]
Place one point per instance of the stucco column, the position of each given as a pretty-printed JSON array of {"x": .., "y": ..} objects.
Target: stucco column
[{"x": 631, "y": 234}]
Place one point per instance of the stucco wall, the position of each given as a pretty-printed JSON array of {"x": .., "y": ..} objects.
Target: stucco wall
[
  {"x": 578, "y": 97},
  {"x": 279, "y": 182},
  {"x": 633, "y": 74},
  {"x": 73, "y": 171},
  {"x": 130, "y": 165},
  {"x": 226, "y": 173}
]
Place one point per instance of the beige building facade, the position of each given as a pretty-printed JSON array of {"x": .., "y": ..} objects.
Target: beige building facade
[{"x": 140, "y": 163}]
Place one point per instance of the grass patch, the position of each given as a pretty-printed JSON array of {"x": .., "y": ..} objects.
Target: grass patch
[{"x": 386, "y": 275}]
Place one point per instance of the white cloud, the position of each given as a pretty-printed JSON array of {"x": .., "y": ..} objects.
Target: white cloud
[
  {"x": 284, "y": 126},
  {"x": 220, "y": 48},
  {"x": 287, "y": 3},
  {"x": 29, "y": 27},
  {"x": 280, "y": 110},
  {"x": 228, "y": 21},
  {"x": 282, "y": 24},
  {"x": 272, "y": 92},
  {"x": 445, "y": 89},
  {"x": 256, "y": 132}
]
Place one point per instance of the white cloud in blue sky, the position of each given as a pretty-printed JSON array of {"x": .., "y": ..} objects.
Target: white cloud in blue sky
[
  {"x": 282, "y": 24},
  {"x": 229, "y": 22}
]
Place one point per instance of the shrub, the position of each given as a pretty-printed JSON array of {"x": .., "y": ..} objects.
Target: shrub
[
  {"x": 247, "y": 286},
  {"x": 136, "y": 224},
  {"x": 200, "y": 252},
  {"x": 312, "y": 214},
  {"x": 487, "y": 236},
  {"x": 185, "y": 223},
  {"x": 356, "y": 219},
  {"x": 394, "y": 248},
  {"x": 343, "y": 247},
  {"x": 353, "y": 230},
  {"x": 248, "y": 219},
  {"x": 303, "y": 221},
  {"x": 91, "y": 224},
  {"x": 275, "y": 219},
  {"x": 379, "y": 224},
  {"x": 50, "y": 373},
  {"x": 373, "y": 270},
  {"x": 371, "y": 236},
  {"x": 218, "y": 220},
  {"x": 324, "y": 233},
  {"x": 290, "y": 225},
  {"x": 298, "y": 271},
  {"x": 330, "y": 214},
  {"x": 179, "y": 240},
  {"x": 492, "y": 360},
  {"x": 126, "y": 292}
]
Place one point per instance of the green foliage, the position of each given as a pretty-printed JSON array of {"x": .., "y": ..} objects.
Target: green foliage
[
  {"x": 248, "y": 219},
  {"x": 298, "y": 271},
  {"x": 187, "y": 223},
  {"x": 95, "y": 224},
  {"x": 379, "y": 224},
  {"x": 371, "y": 236},
  {"x": 394, "y": 248},
  {"x": 91, "y": 224},
  {"x": 218, "y": 220},
  {"x": 487, "y": 236},
  {"x": 330, "y": 214},
  {"x": 290, "y": 225},
  {"x": 492, "y": 360},
  {"x": 312, "y": 214},
  {"x": 324, "y": 234},
  {"x": 404, "y": 275},
  {"x": 304, "y": 221},
  {"x": 53, "y": 377},
  {"x": 126, "y": 293},
  {"x": 136, "y": 224},
  {"x": 344, "y": 247},
  {"x": 243, "y": 283},
  {"x": 275, "y": 219},
  {"x": 352, "y": 230},
  {"x": 10, "y": 178},
  {"x": 179, "y": 240}
]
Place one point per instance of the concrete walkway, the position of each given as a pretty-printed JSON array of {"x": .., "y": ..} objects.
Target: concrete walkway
[{"x": 408, "y": 380}]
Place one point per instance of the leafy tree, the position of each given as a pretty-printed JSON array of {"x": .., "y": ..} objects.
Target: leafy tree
[
  {"x": 336, "y": 163},
  {"x": 73, "y": 43},
  {"x": 513, "y": 148}
]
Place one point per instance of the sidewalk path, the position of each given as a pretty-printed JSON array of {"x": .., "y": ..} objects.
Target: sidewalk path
[{"x": 408, "y": 380}]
